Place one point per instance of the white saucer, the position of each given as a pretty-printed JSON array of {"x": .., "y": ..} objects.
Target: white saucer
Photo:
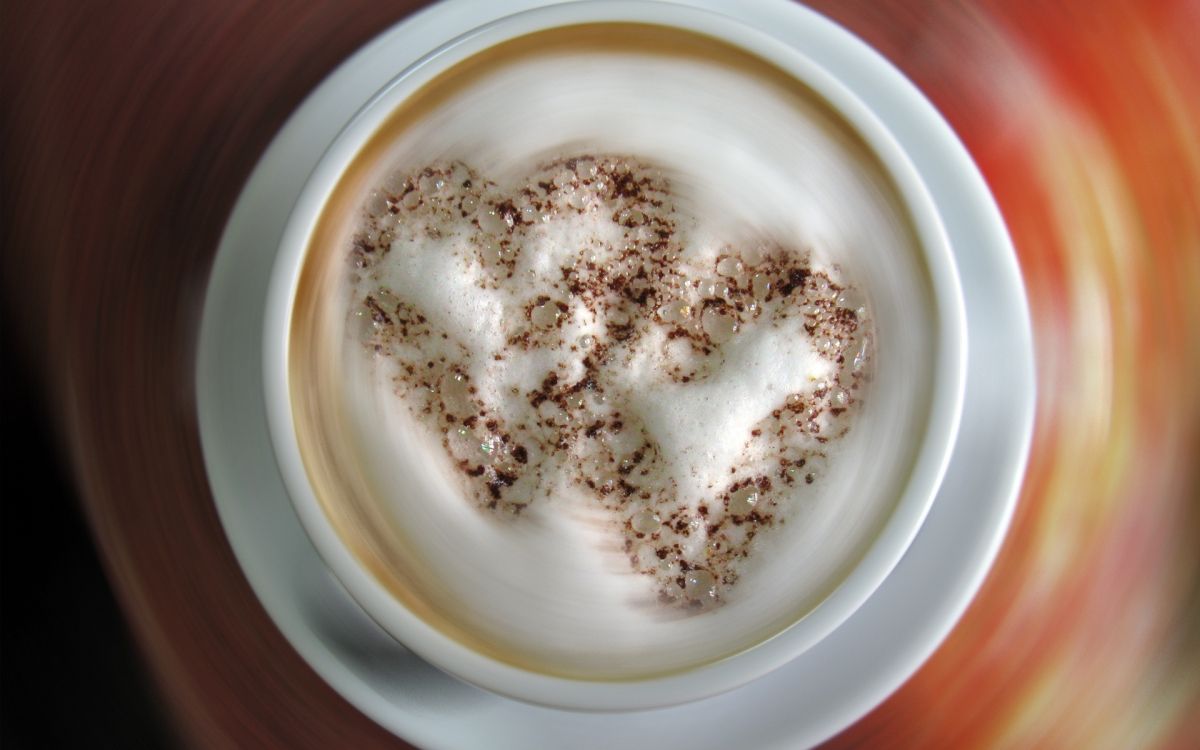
[{"x": 820, "y": 693}]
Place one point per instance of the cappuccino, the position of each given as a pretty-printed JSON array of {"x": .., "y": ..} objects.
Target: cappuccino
[{"x": 607, "y": 351}]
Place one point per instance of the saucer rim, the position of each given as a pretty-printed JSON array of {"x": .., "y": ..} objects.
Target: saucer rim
[{"x": 226, "y": 402}]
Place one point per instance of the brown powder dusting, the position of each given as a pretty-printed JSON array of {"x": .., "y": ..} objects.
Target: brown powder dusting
[{"x": 640, "y": 291}]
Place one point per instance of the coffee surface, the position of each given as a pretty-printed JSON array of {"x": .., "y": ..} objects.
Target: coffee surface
[
  {"x": 609, "y": 362},
  {"x": 604, "y": 354}
]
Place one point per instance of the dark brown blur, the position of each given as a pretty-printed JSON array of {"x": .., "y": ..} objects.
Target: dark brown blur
[{"x": 128, "y": 130}]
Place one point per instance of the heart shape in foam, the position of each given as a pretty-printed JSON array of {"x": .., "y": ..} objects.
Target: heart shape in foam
[{"x": 577, "y": 338}]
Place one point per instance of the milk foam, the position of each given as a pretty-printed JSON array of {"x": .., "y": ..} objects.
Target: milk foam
[{"x": 796, "y": 406}]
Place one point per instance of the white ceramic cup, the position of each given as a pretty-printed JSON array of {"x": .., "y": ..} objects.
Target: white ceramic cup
[{"x": 917, "y": 494}]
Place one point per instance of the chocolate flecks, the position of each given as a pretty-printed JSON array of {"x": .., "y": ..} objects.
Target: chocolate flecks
[
  {"x": 504, "y": 479},
  {"x": 377, "y": 312},
  {"x": 577, "y": 424},
  {"x": 621, "y": 332},
  {"x": 795, "y": 279}
]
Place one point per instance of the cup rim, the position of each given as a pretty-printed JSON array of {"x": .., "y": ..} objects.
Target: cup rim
[{"x": 884, "y": 552}]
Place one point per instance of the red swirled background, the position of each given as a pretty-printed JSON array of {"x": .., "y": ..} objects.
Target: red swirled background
[{"x": 127, "y": 132}]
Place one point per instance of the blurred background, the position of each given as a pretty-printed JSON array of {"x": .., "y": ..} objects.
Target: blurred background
[{"x": 126, "y": 132}]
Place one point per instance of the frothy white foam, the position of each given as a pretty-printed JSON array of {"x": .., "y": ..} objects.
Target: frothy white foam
[
  {"x": 702, "y": 425},
  {"x": 747, "y": 168}
]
